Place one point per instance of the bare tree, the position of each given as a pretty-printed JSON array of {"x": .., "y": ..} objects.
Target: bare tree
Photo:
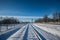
[{"x": 56, "y": 17}]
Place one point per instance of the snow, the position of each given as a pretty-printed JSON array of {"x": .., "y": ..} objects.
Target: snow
[
  {"x": 36, "y": 31},
  {"x": 31, "y": 34},
  {"x": 19, "y": 34},
  {"x": 10, "y": 27},
  {"x": 53, "y": 29}
]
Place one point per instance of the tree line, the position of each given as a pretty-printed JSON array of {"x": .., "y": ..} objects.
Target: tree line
[
  {"x": 55, "y": 18},
  {"x": 9, "y": 21}
]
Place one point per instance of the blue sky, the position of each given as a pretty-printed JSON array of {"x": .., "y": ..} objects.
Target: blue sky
[{"x": 28, "y": 7}]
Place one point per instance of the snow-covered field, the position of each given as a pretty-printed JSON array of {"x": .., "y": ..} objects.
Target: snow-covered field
[
  {"x": 33, "y": 32},
  {"x": 53, "y": 29},
  {"x": 3, "y": 28},
  {"x": 36, "y": 31}
]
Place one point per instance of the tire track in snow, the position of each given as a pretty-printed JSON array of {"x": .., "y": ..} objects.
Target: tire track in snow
[
  {"x": 19, "y": 34},
  {"x": 32, "y": 35},
  {"x": 26, "y": 33},
  {"x": 39, "y": 33},
  {"x": 47, "y": 35}
]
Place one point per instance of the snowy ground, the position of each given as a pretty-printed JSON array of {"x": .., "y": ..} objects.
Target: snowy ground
[
  {"x": 53, "y": 29},
  {"x": 3, "y": 28},
  {"x": 34, "y": 32},
  {"x": 25, "y": 33},
  {"x": 18, "y": 35}
]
